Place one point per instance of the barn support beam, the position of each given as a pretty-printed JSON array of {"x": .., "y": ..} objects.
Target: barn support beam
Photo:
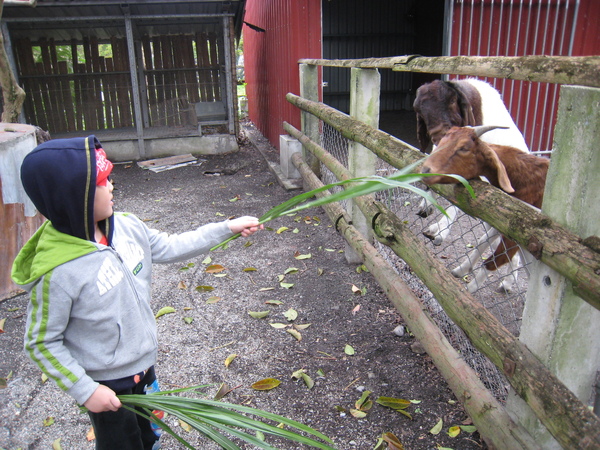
[
  {"x": 558, "y": 326},
  {"x": 135, "y": 88},
  {"x": 229, "y": 88},
  {"x": 365, "y": 85}
]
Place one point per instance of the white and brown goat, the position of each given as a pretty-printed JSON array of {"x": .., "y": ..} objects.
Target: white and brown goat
[
  {"x": 520, "y": 174},
  {"x": 441, "y": 105}
]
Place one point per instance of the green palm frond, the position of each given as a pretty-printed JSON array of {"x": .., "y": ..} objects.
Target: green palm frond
[
  {"x": 213, "y": 418},
  {"x": 403, "y": 179}
]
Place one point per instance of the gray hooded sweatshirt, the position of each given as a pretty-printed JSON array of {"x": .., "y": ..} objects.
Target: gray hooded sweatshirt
[{"x": 89, "y": 315}]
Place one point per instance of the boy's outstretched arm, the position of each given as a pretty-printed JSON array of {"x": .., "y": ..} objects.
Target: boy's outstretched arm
[
  {"x": 246, "y": 225},
  {"x": 103, "y": 399}
]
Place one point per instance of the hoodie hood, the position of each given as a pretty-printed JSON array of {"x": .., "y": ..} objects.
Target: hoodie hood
[
  {"x": 47, "y": 249},
  {"x": 59, "y": 176}
]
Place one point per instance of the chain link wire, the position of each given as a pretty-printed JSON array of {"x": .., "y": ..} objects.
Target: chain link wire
[{"x": 506, "y": 306}]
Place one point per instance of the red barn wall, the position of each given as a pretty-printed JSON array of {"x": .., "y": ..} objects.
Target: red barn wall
[
  {"x": 541, "y": 27},
  {"x": 292, "y": 30},
  {"x": 587, "y": 33}
]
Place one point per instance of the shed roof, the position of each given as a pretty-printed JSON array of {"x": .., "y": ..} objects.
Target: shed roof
[{"x": 64, "y": 20}]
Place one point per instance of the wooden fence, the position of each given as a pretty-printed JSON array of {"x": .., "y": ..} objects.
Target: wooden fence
[
  {"x": 568, "y": 419},
  {"x": 81, "y": 90}
]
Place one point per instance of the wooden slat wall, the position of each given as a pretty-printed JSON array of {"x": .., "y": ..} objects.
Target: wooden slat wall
[
  {"x": 176, "y": 77},
  {"x": 65, "y": 96}
]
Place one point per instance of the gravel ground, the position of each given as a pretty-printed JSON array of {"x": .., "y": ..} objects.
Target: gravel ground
[{"x": 343, "y": 305}]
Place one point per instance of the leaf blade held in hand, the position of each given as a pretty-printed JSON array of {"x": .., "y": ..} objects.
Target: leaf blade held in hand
[
  {"x": 358, "y": 187},
  {"x": 211, "y": 418}
]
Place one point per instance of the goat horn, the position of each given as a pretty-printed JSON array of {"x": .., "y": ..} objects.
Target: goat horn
[{"x": 481, "y": 129}]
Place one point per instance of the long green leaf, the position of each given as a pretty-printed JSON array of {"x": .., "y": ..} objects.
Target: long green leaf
[
  {"x": 211, "y": 417},
  {"x": 361, "y": 186}
]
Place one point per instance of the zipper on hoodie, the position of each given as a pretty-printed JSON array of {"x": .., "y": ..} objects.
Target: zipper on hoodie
[{"x": 131, "y": 283}]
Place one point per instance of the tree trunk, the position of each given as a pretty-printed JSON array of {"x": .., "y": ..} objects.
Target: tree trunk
[{"x": 12, "y": 94}]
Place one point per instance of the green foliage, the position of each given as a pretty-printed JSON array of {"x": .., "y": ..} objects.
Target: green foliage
[
  {"x": 65, "y": 53},
  {"x": 211, "y": 418},
  {"x": 361, "y": 186}
]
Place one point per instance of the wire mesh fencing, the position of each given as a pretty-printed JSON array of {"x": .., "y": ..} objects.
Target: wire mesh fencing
[{"x": 463, "y": 243}]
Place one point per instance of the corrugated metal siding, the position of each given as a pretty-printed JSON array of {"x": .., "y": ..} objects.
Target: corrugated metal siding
[
  {"x": 357, "y": 29},
  {"x": 292, "y": 31},
  {"x": 587, "y": 32},
  {"x": 518, "y": 28}
]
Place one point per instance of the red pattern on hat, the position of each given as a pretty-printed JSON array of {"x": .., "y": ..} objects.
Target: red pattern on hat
[{"x": 103, "y": 167}]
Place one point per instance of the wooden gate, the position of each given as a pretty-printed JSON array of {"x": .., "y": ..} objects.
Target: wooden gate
[{"x": 87, "y": 85}]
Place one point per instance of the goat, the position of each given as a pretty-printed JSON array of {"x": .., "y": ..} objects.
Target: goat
[
  {"x": 523, "y": 175},
  {"x": 439, "y": 106}
]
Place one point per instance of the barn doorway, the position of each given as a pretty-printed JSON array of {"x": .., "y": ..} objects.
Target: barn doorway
[{"x": 357, "y": 29}]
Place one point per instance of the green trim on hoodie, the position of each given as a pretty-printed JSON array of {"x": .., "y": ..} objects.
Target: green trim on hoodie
[
  {"x": 44, "y": 305},
  {"x": 47, "y": 249}
]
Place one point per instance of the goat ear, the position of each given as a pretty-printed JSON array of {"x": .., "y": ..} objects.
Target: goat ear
[
  {"x": 466, "y": 110},
  {"x": 500, "y": 170},
  {"x": 422, "y": 134}
]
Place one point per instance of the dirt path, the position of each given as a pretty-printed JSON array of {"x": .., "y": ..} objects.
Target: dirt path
[{"x": 195, "y": 340}]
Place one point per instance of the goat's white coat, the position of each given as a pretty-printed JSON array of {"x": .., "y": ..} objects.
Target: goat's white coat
[{"x": 494, "y": 112}]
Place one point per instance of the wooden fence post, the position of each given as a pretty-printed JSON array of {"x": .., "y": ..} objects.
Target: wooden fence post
[
  {"x": 364, "y": 106},
  {"x": 558, "y": 327},
  {"x": 309, "y": 89}
]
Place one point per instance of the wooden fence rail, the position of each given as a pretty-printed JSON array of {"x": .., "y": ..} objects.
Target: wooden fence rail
[
  {"x": 583, "y": 71},
  {"x": 567, "y": 418},
  {"x": 550, "y": 242},
  {"x": 487, "y": 413},
  {"x": 564, "y": 416}
]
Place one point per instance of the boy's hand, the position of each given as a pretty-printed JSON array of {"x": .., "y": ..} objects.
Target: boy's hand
[
  {"x": 103, "y": 399},
  {"x": 246, "y": 225}
]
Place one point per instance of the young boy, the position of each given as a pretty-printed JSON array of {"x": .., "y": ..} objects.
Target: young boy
[{"x": 88, "y": 271}]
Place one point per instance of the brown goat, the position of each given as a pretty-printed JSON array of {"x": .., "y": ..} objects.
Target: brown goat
[
  {"x": 439, "y": 105},
  {"x": 520, "y": 174}
]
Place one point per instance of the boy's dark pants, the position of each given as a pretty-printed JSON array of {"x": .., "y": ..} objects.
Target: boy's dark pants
[{"x": 123, "y": 429}]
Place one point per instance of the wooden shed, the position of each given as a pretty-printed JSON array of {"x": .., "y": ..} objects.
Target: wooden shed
[
  {"x": 148, "y": 77},
  {"x": 352, "y": 29}
]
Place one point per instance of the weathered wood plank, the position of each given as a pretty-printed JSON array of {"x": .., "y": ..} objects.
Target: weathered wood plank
[
  {"x": 33, "y": 105},
  {"x": 204, "y": 75},
  {"x": 579, "y": 70},
  {"x": 78, "y": 101},
  {"x": 48, "y": 85}
]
